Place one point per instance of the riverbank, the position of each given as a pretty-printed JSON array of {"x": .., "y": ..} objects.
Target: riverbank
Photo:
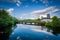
[{"x": 31, "y": 32}]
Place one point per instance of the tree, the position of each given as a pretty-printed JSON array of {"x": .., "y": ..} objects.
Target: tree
[
  {"x": 48, "y": 25},
  {"x": 55, "y": 22},
  {"x": 6, "y": 24},
  {"x": 37, "y": 20},
  {"x": 54, "y": 25}
]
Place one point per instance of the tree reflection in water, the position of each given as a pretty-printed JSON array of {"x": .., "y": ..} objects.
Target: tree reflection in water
[
  {"x": 6, "y": 24},
  {"x": 5, "y": 32}
]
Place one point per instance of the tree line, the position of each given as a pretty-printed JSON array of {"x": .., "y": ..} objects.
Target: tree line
[
  {"x": 6, "y": 24},
  {"x": 54, "y": 25}
]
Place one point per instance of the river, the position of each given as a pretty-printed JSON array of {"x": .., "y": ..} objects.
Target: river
[{"x": 31, "y": 32}]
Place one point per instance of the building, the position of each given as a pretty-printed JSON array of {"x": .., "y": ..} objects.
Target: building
[
  {"x": 45, "y": 17},
  {"x": 48, "y": 16}
]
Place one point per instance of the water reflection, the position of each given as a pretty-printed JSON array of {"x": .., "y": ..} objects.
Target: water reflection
[
  {"x": 26, "y": 32},
  {"x": 29, "y": 32},
  {"x": 5, "y": 32}
]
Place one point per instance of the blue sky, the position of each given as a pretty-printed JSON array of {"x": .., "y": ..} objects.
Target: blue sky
[{"x": 27, "y": 8}]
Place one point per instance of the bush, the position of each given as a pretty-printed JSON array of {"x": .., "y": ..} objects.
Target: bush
[
  {"x": 54, "y": 25},
  {"x": 6, "y": 24}
]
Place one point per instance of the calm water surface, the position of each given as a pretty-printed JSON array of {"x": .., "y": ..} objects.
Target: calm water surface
[{"x": 31, "y": 32}]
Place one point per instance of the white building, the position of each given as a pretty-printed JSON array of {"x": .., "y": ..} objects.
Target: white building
[{"x": 45, "y": 17}]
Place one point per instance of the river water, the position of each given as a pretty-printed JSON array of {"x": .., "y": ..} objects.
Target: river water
[{"x": 31, "y": 32}]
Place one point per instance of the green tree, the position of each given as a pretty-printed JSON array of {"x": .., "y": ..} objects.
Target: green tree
[
  {"x": 6, "y": 24},
  {"x": 54, "y": 25},
  {"x": 37, "y": 20},
  {"x": 48, "y": 25},
  {"x": 55, "y": 22}
]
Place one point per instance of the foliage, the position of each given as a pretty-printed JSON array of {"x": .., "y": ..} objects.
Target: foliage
[
  {"x": 6, "y": 19},
  {"x": 6, "y": 24},
  {"x": 42, "y": 23},
  {"x": 54, "y": 25},
  {"x": 48, "y": 25},
  {"x": 55, "y": 22},
  {"x": 37, "y": 20},
  {"x": 30, "y": 20}
]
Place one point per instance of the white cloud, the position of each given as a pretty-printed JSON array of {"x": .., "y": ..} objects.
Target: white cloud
[
  {"x": 56, "y": 10},
  {"x": 37, "y": 13},
  {"x": 26, "y": 16},
  {"x": 10, "y": 10},
  {"x": 18, "y": 2},
  {"x": 46, "y": 10}
]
